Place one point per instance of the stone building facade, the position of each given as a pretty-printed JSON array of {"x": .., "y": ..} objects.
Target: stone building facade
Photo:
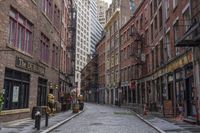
[
  {"x": 29, "y": 55},
  {"x": 116, "y": 16},
  {"x": 89, "y": 81},
  {"x": 100, "y": 51}
]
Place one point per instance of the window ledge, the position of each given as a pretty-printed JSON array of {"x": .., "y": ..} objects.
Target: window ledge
[
  {"x": 34, "y": 2},
  {"x": 15, "y": 111},
  {"x": 18, "y": 50},
  {"x": 44, "y": 63},
  {"x": 55, "y": 68},
  {"x": 47, "y": 17}
]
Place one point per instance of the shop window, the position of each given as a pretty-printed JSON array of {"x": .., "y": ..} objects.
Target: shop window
[
  {"x": 20, "y": 32},
  {"x": 16, "y": 88}
]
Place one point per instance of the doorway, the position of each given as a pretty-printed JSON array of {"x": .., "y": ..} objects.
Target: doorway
[{"x": 190, "y": 105}]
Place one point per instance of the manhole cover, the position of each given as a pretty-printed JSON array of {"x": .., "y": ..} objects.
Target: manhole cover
[
  {"x": 96, "y": 124},
  {"x": 123, "y": 113}
]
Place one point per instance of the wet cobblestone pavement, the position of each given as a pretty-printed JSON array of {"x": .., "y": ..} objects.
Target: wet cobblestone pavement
[{"x": 105, "y": 119}]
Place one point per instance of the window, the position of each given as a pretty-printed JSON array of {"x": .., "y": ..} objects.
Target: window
[
  {"x": 160, "y": 18},
  {"x": 176, "y": 30},
  {"x": 168, "y": 45},
  {"x": 176, "y": 33},
  {"x": 156, "y": 23},
  {"x": 55, "y": 56},
  {"x": 16, "y": 85},
  {"x": 167, "y": 9},
  {"x": 141, "y": 21},
  {"x": 151, "y": 10},
  {"x": 161, "y": 52},
  {"x": 152, "y": 32},
  {"x": 44, "y": 48},
  {"x": 20, "y": 32},
  {"x": 175, "y": 2},
  {"x": 155, "y": 5},
  {"x": 56, "y": 17},
  {"x": 47, "y": 8},
  {"x": 187, "y": 18}
]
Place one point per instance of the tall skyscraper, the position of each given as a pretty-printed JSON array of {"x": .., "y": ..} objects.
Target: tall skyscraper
[
  {"x": 95, "y": 26},
  {"x": 102, "y": 6},
  {"x": 82, "y": 37},
  {"x": 88, "y": 34}
]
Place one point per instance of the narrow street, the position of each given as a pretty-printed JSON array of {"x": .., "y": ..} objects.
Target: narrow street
[{"x": 105, "y": 119}]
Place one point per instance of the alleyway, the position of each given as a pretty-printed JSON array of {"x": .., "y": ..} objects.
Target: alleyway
[{"x": 105, "y": 119}]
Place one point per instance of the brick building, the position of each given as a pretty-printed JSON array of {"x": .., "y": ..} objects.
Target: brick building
[
  {"x": 89, "y": 81},
  {"x": 100, "y": 51},
  {"x": 30, "y": 54},
  {"x": 132, "y": 48},
  {"x": 190, "y": 39},
  {"x": 152, "y": 69},
  {"x": 116, "y": 16},
  {"x": 164, "y": 73}
]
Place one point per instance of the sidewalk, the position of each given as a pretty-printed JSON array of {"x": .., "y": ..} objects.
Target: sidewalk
[
  {"x": 168, "y": 125},
  {"x": 27, "y": 125}
]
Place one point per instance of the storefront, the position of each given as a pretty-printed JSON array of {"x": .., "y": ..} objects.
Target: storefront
[
  {"x": 24, "y": 86},
  {"x": 16, "y": 89}
]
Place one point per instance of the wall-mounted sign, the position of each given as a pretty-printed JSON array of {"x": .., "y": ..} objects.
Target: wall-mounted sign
[{"x": 30, "y": 66}]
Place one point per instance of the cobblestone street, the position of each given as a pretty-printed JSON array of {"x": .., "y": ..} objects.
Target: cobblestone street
[{"x": 105, "y": 119}]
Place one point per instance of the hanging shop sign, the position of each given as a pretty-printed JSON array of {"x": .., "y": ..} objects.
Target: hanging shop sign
[
  {"x": 30, "y": 66},
  {"x": 168, "y": 108},
  {"x": 180, "y": 62},
  {"x": 132, "y": 85}
]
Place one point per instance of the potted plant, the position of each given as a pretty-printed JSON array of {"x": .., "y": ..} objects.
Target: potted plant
[{"x": 1, "y": 101}]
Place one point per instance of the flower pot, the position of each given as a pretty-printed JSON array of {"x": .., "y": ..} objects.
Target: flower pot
[{"x": 75, "y": 108}]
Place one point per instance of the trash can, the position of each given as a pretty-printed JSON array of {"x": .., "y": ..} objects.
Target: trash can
[{"x": 34, "y": 110}]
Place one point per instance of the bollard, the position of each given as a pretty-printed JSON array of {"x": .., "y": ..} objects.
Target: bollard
[
  {"x": 37, "y": 120},
  {"x": 46, "y": 119}
]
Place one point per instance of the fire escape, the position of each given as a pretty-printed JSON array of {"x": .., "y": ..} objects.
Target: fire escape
[
  {"x": 137, "y": 48},
  {"x": 72, "y": 40}
]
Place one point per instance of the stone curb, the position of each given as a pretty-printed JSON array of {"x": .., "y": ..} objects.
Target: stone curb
[
  {"x": 147, "y": 122},
  {"x": 61, "y": 123},
  {"x": 17, "y": 121}
]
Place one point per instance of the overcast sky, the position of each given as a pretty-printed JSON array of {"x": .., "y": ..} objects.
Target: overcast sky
[{"x": 109, "y": 1}]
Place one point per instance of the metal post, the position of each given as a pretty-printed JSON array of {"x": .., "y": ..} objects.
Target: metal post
[
  {"x": 37, "y": 120},
  {"x": 46, "y": 119}
]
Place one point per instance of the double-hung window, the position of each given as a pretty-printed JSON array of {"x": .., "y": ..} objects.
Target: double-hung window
[
  {"x": 20, "y": 32},
  {"x": 44, "y": 48}
]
